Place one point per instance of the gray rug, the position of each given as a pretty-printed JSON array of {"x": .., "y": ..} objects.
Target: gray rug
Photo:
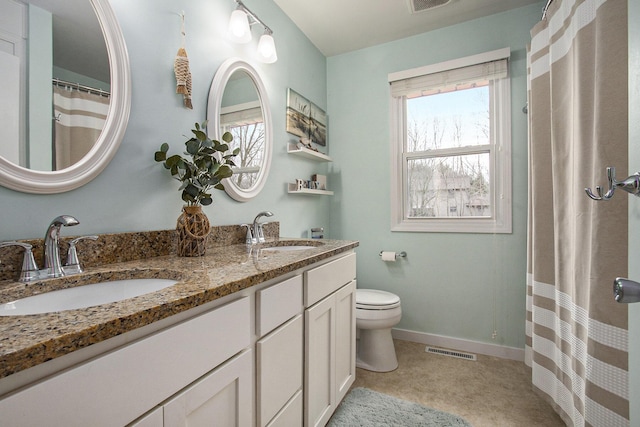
[{"x": 364, "y": 407}]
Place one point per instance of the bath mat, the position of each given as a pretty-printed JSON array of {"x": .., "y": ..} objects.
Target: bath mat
[{"x": 364, "y": 407}]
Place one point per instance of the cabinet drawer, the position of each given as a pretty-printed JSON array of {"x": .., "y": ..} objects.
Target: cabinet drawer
[
  {"x": 277, "y": 304},
  {"x": 116, "y": 388},
  {"x": 322, "y": 281}
]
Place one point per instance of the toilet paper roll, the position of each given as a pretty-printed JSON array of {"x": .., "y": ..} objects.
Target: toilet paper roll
[{"x": 388, "y": 256}]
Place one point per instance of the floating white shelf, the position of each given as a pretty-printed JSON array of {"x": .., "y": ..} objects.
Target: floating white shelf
[
  {"x": 293, "y": 189},
  {"x": 307, "y": 153}
]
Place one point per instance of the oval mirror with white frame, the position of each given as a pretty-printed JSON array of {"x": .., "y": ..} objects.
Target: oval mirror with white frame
[
  {"x": 238, "y": 104},
  {"x": 32, "y": 162}
]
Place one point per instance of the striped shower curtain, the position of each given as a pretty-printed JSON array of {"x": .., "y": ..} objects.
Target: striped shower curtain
[
  {"x": 79, "y": 118},
  {"x": 576, "y": 334}
]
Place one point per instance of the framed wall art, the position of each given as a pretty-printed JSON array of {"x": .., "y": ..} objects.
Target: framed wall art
[
  {"x": 305, "y": 119},
  {"x": 318, "y": 125},
  {"x": 298, "y": 111}
]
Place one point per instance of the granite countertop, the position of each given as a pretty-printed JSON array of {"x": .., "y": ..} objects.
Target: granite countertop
[{"x": 26, "y": 341}]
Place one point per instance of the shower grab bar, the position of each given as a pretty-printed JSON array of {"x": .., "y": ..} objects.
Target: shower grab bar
[{"x": 630, "y": 185}]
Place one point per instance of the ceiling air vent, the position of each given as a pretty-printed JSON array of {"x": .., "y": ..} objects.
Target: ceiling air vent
[{"x": 416, "y": 6}]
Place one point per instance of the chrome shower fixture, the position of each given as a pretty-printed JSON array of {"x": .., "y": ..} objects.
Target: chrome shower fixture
[
  {"x": 625, "y": 290},
  {"x": 630, "y": 185}
]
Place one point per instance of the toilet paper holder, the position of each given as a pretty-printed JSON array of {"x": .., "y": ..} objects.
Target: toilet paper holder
[{"x": 402, "y": 254}]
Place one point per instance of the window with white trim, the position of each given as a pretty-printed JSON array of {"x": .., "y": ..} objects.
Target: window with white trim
[
  {"x": 451, "y": 146},
  {"x": 246, "y": 124}
]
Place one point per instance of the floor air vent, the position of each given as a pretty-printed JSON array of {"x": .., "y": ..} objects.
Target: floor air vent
[
  {"x": 416, "y": 6},
  {"x": 451, "y": 353}
]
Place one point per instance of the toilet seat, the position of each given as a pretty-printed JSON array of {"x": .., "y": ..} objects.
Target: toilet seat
[{"x": 372, "y": 299}]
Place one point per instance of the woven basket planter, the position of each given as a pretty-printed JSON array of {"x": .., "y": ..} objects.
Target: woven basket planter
[{"x": 193, "y": 230}]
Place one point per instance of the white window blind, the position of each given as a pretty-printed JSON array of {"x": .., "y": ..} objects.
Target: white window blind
[
  {"x": 241, "y": 115},
  {"x": 443, "y": 80}
]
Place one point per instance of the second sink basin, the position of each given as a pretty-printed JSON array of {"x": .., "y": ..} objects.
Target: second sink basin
[
  {"x": 83, "y": 296},
  {"x": 287, "y": 248},
  {"x": 290, "y": 245}
]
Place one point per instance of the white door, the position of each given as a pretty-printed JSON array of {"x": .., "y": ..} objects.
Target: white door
[
  {"x": 12, "y": 58},
  {"x": 634, "y": 207}
]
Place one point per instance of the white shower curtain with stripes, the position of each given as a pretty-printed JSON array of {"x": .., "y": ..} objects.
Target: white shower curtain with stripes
[
  {"x": 576, "y": 333},
  {"x": 79, "y": 118}
]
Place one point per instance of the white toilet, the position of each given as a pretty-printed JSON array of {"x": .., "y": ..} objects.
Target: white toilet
[{"x": 376, "y": 313}]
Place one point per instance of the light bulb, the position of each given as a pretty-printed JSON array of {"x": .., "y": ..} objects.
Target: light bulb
[
  {"x": 239, "y": 30},
  {"x": 267, "y": 49}
]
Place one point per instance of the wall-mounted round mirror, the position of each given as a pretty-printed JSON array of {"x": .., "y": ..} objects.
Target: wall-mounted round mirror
[
  {"x": 66, "y": 95},
  {"x": 238, "y": 104}
]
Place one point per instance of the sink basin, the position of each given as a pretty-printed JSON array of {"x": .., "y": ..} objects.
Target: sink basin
[
  {"x": 83, "y": 296},
  {"x": 288, "y": 248}
]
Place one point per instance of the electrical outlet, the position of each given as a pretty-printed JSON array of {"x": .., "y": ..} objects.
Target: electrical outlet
[{"x": 494, "y": 335}]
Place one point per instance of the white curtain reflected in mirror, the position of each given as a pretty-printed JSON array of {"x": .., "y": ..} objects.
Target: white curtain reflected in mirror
[{"x": 79, "y": 114}]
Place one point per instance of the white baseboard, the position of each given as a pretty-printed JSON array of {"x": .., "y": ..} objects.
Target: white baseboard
[{"x": 511, "y": 353}]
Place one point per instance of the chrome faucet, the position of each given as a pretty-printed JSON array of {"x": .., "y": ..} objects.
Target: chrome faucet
[
  {"x": 29, "y": 269},
  {"x": 249, "y": 239},
  {"x": 258, "y": 234},
  {"x": 52, "y": 263}
]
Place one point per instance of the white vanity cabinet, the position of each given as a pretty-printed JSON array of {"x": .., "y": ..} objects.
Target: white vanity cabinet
[
  {"x": 281, "y": 353},
  {"x": 330, "y": 328}
]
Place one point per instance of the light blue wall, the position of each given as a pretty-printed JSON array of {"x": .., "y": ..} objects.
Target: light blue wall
[
  {"x": 136, "y": 194},
  {"x": 457, "y": 285}
]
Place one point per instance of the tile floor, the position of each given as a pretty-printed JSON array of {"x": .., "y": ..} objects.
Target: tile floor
[{"x": 489, "y": 392}]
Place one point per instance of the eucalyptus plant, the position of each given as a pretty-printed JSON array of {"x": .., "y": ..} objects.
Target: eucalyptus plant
[{"x": 210, "y": 163}]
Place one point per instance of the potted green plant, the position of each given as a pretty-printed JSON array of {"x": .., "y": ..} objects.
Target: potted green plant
[{"x": 208, "y": 162}]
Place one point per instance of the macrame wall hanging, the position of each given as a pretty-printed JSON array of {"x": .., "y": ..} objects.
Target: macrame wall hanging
[{"x": 182, "y": 72}]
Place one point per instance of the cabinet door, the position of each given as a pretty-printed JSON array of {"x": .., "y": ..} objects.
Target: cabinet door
[
  {"x": 345, "y": 339},
  {"x": 222, "y": 398},
  {"x": 279, "y": 369},
  {"x": 291, "y": 414},
  {"x": 152, "y": 419},
  {"x": 319, "y": 389}
]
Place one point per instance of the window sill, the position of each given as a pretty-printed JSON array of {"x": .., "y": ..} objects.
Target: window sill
[{"x": 443, "y": 225}]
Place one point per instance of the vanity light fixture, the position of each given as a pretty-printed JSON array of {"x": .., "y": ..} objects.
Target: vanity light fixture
[
  {"x": 267, "y": 48},
  {"x": 240, "y": 32}
]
